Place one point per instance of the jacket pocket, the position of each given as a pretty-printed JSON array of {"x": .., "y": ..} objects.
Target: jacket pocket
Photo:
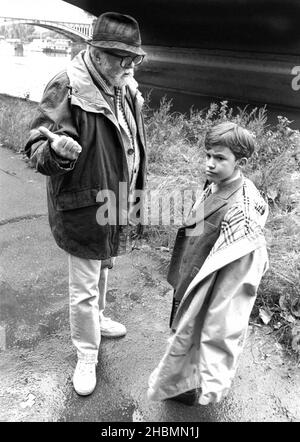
[{"x": 76, "y": 199}]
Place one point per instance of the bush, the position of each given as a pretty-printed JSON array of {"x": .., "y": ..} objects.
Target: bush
[
  {"x": 15, "y": 117},
  {"x": 176, "y": 161},
  {"x": 176, "y": 144}
]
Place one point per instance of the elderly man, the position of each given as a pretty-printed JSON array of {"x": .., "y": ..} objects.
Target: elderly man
[{"x": 88, "y": 138}]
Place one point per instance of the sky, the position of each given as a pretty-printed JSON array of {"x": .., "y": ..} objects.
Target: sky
[{"x": 42, "y": 9}]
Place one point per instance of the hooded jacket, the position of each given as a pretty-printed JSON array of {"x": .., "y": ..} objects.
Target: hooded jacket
[{"x": 73, "y": 105}]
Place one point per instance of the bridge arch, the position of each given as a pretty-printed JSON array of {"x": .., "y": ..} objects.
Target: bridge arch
[{"x": 77, "y": 32}]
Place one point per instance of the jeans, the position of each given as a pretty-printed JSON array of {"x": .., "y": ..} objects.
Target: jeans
[{"x": 87, "y": 295}]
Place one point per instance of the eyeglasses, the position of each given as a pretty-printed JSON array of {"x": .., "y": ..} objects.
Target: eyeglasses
[{"x": 127, "y": 60}]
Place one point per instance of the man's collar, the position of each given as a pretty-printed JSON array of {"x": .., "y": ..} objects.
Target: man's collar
[{"x": 97, "y": 77}]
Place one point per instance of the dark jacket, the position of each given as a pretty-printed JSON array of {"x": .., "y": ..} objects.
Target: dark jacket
[
  {"x": 72, "y": 105},
  {"x": 190, "y": 251}
]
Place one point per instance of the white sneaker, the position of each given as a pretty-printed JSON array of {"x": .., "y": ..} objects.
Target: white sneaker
[
  {"x": 110, "y": 328},
  {"x": 84, "y": 378}
]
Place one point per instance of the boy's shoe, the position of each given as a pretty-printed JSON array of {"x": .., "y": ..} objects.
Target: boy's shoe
[
  {"x": 84, "y": 378},
  {"x": 110, "y": 328},
  {"x": 188, "y": 397}
]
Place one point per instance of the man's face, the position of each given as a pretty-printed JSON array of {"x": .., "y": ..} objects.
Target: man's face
[
  {"x": 109, "y": 66},
  {"x": 221, "y": 164}
]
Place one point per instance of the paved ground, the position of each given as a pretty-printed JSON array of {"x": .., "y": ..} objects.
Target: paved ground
[{"x": 36, "y": 356}]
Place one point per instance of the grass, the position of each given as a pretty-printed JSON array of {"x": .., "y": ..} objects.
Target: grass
[
  {"x": 176, "y": 161},
  {"x": 15, "y": 117}
]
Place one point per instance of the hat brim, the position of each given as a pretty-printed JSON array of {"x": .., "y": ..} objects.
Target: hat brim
[{"x": 117, "y": 45}]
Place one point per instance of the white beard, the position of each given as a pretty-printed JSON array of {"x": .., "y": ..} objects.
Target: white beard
[
  {"x": 128, "y": 80},
  {"x": 131, "y": 82}
]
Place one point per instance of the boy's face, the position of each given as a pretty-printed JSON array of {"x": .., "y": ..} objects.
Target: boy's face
[{"x": 221, "y": 164}]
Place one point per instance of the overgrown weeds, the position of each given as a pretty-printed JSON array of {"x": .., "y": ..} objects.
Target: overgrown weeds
[{"x": 15, "y": 118}]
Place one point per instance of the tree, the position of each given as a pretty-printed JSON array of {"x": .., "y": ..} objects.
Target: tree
[{"x": 21, "y": 31}]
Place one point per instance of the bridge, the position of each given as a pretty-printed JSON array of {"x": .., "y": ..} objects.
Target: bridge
[
  {"x": 77, "y": 32},
  {"x": 246, "y": 51},
  {"x": 199, "y": 51}
]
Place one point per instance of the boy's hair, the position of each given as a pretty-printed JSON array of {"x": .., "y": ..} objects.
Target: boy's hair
[{"x": 238, "y": 139}]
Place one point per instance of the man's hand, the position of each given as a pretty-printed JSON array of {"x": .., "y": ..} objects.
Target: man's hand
[{"x": 64, "y": 146}]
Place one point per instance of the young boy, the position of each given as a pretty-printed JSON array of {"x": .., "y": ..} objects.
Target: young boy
[{"x": 218, "y": 260}]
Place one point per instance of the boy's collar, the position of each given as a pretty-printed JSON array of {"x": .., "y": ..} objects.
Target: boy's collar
[
  {"x": 229, "y": 187},
  {"x": 214, "y": 201}
]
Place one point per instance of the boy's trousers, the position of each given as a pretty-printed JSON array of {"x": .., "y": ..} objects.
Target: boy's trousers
[{"x": 87, "y": 295}]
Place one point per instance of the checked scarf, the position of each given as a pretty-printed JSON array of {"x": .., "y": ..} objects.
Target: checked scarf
[{"x": 243, "y": 220}]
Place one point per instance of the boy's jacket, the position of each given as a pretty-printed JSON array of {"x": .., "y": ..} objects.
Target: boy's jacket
[
  {"x": 197, "y": 237},
  {"x": 212, "y": 317}
]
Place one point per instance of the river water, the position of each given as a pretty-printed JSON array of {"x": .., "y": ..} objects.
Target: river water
[{"x": 27, "y": 75}]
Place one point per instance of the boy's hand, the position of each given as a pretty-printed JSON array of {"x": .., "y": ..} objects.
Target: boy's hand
[{"x": 64, "y": 146}]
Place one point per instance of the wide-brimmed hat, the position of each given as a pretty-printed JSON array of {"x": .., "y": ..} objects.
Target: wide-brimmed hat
[{"x": 117, "y": 31}]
